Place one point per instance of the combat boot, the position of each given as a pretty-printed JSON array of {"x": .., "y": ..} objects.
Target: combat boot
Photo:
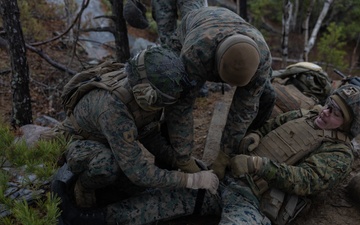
[
  {"x": 84, "y": 198},
  {"x": 70, "y": 214},
  {"x": 135, "y": 14}
]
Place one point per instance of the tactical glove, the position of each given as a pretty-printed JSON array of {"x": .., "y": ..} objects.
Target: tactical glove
[
  {"x": 220, "y": 164},
  {"x": 189, "y": 166},
  {"x": 249, "y": 142},
  {"x": 203, "y": 180},
  {"x": 245, "y": 164}
]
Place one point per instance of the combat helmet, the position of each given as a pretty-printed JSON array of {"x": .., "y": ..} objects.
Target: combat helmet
[
  {"x": 350, "y": 95},
  {"x": 157, "y": 77},
  {"x": 237, "y": 59}
]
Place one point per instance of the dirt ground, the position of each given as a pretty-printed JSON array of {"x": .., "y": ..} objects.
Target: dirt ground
[{"x": 332, "y": 207}]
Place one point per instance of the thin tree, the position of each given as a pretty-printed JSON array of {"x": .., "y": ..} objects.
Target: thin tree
[
  {"x": 311, "y": 42},
  {"x": 120, "y": 32},
  {"x": 305, "y": 24},
  {"x": 21, "y": 108},
  {"x": 286, "y": 19},
  {"x": 243, "y": 10}
]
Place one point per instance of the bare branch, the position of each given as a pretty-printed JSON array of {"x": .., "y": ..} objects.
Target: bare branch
[
  {"x": 83, "y": 7},
  {"x": 50, "y": 61},
  {"x": 99, "y": 29},
  {"x": 105, "y": 16}
]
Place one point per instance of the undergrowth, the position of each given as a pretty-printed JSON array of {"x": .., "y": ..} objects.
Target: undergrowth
[{"x": 30, "y": 169}]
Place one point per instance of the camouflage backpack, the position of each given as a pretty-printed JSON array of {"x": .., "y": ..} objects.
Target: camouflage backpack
[
  {"x": 309, "y": 78},
  {"x": 105, "y": 76}
]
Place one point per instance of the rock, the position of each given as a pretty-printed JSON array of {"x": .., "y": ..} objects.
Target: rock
[
  {"x": 46, "y": 121},
  {"x": 31, "y": 134}
]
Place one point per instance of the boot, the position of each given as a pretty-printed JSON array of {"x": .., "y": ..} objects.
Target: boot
[
  {"x": 70, "y": 214},
  {"x": 84, "y": 198},
  {"x": 135, "y": 14}
]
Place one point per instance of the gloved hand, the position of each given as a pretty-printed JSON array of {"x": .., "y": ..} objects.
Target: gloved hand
[
  {"x": 249, "y": 142},
  {"x": 203, "y": 180},
  {"x": 219, "y": 165},
  {"x": 245, "y": 164},
  {"x": 189, "y": 166}
]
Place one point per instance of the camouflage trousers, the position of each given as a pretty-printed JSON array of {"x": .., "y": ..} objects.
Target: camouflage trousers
[
  {"x": 234, "y": 204},
  {"x": 165, "y": 13},
  {"x": 95, "y": 165},
  {"x": 96, "y": 168}
]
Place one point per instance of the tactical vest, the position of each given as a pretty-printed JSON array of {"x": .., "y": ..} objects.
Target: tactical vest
[
  {"x": 294, "y": 140},
  {"x": 117, "y": 83},
  {"x": 288, "y": 144}
]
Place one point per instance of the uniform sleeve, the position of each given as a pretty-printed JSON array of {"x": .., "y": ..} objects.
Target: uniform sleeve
[
  {"x": 180, "y": 123},
  {"x": 118, "y": 127},
  {"x": 321, "y": 170}
]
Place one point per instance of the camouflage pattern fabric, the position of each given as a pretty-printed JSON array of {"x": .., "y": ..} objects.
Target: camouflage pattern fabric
[
  {"x": 234, "y": 202},
  {"x": 199, "y": 33},
  {"x": 324, "y": 168},
  {"x": 167, "y": 12},
  {"x": 104, "y": 116}
]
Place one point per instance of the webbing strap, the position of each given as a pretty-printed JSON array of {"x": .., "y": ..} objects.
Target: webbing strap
[
  {"x": 199, "y": 201},
  {"x": 141, "y": 65}
]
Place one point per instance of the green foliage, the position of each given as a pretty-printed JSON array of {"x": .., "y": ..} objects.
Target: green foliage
[
  {"x": 331, "y": 45},
  {"x": 33, "y": 16},
  {"x": 24, "y": 214},
  {"x": 39, "y": 162},
  {"x": 348, "y": 13},
  {"x": 271, "y": 10},
  {"x": 6, "y": 137}
]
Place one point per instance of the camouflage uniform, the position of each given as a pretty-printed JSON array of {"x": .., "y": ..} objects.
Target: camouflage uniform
[
  {"x": 198, "y": 36},
  {"x": 122, "y": 159},
  {"x": 322, "y": 169},
  {"x": 116, "y": 123},
  {"x": 165, "y": 13},
  {"x": 236, "y": 202}
]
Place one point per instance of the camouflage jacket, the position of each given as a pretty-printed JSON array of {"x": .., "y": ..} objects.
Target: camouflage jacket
[
  {"x": 106, "y": 117},
  {"x": 322, "y": 169},
  {"x": 198, "y": 35}
]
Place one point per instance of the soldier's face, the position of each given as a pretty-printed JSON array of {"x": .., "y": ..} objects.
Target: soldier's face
[{"x": 331, "y": 117}]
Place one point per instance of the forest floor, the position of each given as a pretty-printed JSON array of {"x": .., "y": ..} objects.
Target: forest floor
[{"x": 332, "y": 207}]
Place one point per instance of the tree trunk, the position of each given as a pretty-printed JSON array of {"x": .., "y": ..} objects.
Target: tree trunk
[
  {"x": 312, "y": 40},
  {"x": 21, "y": 109},
  {"x": 287, "y": 13},
  {"x": 354, "y": 60},
  {"x": 121, "y": 37},
  {"x": 243, "y": 9},
  {"x": 294, "y": 15},
  {"x": 305, "y": 27}
]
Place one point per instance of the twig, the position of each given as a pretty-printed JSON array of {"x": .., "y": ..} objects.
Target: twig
[
  {"x": 83, "y": 7},
  {"x": 50, "y": 61}
]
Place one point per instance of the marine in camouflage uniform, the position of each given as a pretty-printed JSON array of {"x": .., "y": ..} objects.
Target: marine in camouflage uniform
[
  {"x": 167, "y": 12},
  {"x": 323, "y": 166},
  {"x": 111, "y": 143},
  {"x": 198, "y": 40}
]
